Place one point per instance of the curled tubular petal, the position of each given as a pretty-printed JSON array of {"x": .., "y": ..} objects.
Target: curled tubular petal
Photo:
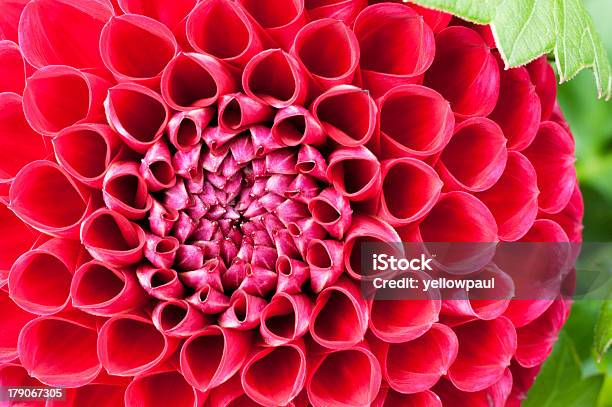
[
  {"x": 295, "y": 126},
  {"x": 324, "y": 259},
  {"x": 473, "y": 88},
  {"x": 178, "y": 318},
  {"x": 86, "y": 151},
  {"x": 213, "y": 356},
  {"x": 237, "y": 112},
  {"x": 169, "y": 12},
  {"x": 39, "y": 281},
  {"x": 485, "y": 350},
  {"x": 390, "y": 398},
  {"x": 161, "y": 252},
  {"x": 513, "y": 199},
  {"x": 9, "y": 21},
  {"x": 414, "y": 121},
  {"x": 536, "y": 339},
  {"x": 125, "y": 191},
  {"x": 292, "y": 274},
  {"x": 129, "y": 344},
  {"x": 518, "y": 109},
  {"x": 543, "y": 78},
  {"x": 494, "y": 395},
  {"x": 93, "y": 395},
  {"x": 192, "y": 80},
  {"x": 552, "y": 156},
  {"x": 329, "y": 50},
  {"x": 185, "y": 128},
  {"x": 483, "y": 141},
  {"x": 41, "y": 182},
  {"x": 136, "y": 48},
  {"x": 332, "y": 211},
  {"x": 163, "y": 284},
  {"x": 69, "y": 363},
  {"x": 355, "y": 373},
  {"x": 100, "y": 289},
  {"x": 339, "y": 319},
  {"x": 280, "y": 20},
  {"x": 285, "y": 318},
  {"x": 17, "y": 239},
  {"x": 290, "y": 84},
  {"x": 59, "y": 96},
  {"x": 14, "y": 375},
  {"x": 244, "y": 311},
  {"x": 415, "y": 366},
  {"x": 347, "y": 114},
  {"x": 209, "y": 300},
  {"x": 344, "y": 10},
  {"x": 158, "y": 389},
  {"x": 570, "y": 217},
  {"x": 137, "y": 113},
  {"x": 111, "y": 237},
  {"x": 397, "y": 46},
  {"x": 209, "y": 23},
  {"x": 64, "y": 32},
  {"x": 368, "y": 229},
  {"x": 12, "y": 68},
  {"x": 10, "y": 328},
  {"x": 156, "y": 169},
  {"x": 355, "y": 173},
  {"x": 19, "y": 143},
  {"x": 410, "y": 188},
  {"x": 274, "y": 376},
  {"x": 436, "y": 20}
]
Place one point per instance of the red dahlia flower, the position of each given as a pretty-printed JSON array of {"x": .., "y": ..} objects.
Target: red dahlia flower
[{"x": 185, "y": 187}]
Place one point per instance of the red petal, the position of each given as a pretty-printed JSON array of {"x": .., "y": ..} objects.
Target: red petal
[
  {"x": 129, "y": 345},
  {"x": 552, "y": 156},
  {"x": 92, "y": 395},
  {"x": 339, "y": 319},
  {"x": 485, "y": 351},
  {"x": 493, "y": 396},
  {"x": 39, "y": 281},
  {"x": 9, "y": 329},
  {"x": 570, "y": 218},
  {"x": 543, "y": 77},
  {"x": 86, "y": 151},
  {"x": 275, "y": 376},
  {"x": 137, "y": 113},
  {"x": 71, "y": 362},
  {"x": 15, "y": 239},
  {"x": 56, "y": 97},
  {"x": 324, "y": 258},
  {"x": 163, "y": 284},
  {"x": 473, "y": 88},
  {"x": 416, "y": 365},
  {"x": 355, "y": 172},
  {"x": 513, "y": 199},
  {"x": 483, "y": 141},
  {"x": 347, "y": 114},
  {"x": 390, "y": 398},
  {"x": 100, "y": 289},
  {"x": 136, "y": 48},
  {"x": 209, "y": 23},
  {"x": 237, "y": 112},
  {"x": 156, "y": 169},
  {"x": 214, "y": 355},
  {"x": 12, "y": 67},
  {"x": 178, "y": 318},
  {"x": 169, "y": 12},
  {"x": 329, "y": 51},
  {"x": 41, "y": 182},
  {"x": 290, "y": 84},
  {"x": 196, "y": 80},
  {"x": 332, "y": 211},
  {"x": 397, "y": 47},
  {"x": 112, "y": 238},
  {"x": 349, "y": 377},
  {"x": 161, "y": 389},
  {"x": 63, "y": 32},
  {"x": 161, "y": 252},
  {"x": 281, "y": 20},
  {"x": 244, "y": 312},
  {"x": 518, "y": 108},
  {"x": 368, "y": 229},
  {"x": 292, "y": 274},
  {"x": 285, "y": 318},
  {"x": 295, "y": 126},
  {"x": 19, "y": 144},
  {"x": 209, "y": 299},
  {"x": 422, "y": 133},
  {"x": 125, "y": 191},
  {"x": 9, "y": 19},
  {"x": 410, "y": 188},
  {"x": 436, "y": 20},
  {"x": 343, "y": 10}
]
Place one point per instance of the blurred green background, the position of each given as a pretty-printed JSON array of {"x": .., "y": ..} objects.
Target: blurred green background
[{"x": 573, "y": 376}]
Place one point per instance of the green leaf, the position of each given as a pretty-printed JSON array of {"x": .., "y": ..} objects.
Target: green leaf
[
  {"x": 526, "y": 29},
  {"x": 560, "y": 381},
  {"x": 603, "y": 330}
]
